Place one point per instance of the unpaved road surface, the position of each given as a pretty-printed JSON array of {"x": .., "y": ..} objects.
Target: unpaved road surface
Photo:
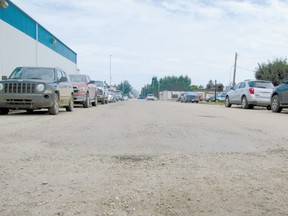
[{"x": 145, "y": 158}]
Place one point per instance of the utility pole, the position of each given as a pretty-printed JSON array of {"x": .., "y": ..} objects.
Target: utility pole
[
  {"x": 235, "y": 65},
  {"x": 123, "y": 87},
  {"x": 215, "y": 90},
  {"x": 110, "y": 70},
  {"x": 159, "y": 89}
]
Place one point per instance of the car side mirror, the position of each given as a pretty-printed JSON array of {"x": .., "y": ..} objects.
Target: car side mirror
[
  {"x": 63, "y": 79},
  {"x": 4, "y": 77}
]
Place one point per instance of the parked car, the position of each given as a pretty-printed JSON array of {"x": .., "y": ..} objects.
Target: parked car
[
  {"x": 102, "y": 91},
  {"x": 219, "y": 97},
  {"x": 190, "y": 97},
  {"x": 180, "y": 96},
  {"x": 119, "y": 96},
  {"x": 85, "y": 91},
  {"x": 34, "y": 88},
  {"x": 150, "y": 97},
  {"x": 111, "y": 97},
  {"x": 125, "y": 97},
  {"x": 279, "y": 97},
  {"x": 250, "y": 93}
]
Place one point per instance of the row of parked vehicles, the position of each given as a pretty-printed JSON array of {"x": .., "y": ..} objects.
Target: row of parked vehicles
[
  {"x": 34, "y": 88},
  {"x": 186, "y": 97},
  {"x": 250, "y": 93}
]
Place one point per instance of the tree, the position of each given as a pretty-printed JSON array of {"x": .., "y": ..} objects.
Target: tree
[
  {"x": 210, "y": 85},
  {"x": 194, "y": 87},
  {"x": 173, "y": 83},
  {"x": 275, "y": 71},
  {"x": 125, "y": 87},
  {"x": 169, "y": 83}
]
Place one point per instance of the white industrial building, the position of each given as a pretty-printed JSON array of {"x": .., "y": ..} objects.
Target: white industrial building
[{"x": 24, "y": 42}]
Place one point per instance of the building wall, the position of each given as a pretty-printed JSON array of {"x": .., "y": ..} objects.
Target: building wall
[
  {"x": 169, "y": 95},
  {"x": 24, "y": 42}
]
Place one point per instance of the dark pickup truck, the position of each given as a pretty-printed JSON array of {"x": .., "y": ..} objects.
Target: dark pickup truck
[{"x": 34, "y": 88}]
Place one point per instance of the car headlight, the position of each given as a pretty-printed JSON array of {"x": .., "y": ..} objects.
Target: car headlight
[
  {"x": 1, "y": 86},
  {"x": 40, "y": 87}
]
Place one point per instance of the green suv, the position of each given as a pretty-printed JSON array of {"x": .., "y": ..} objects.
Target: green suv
[{"x": 34, "y": 88}]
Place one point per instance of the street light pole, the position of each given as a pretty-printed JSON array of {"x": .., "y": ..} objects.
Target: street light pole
[{"x": 110, "y": 69}]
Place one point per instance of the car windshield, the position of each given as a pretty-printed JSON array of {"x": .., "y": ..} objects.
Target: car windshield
[
  {"x": 99, "y": 83},
  {"x": 150, "y": 95},
  {"x": 261, "y": 84},
  {"x": 78, "y": 78},
  {"x": 33, "y": 73}
]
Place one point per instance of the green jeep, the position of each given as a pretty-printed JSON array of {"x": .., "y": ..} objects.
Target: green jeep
[{"x": 34, "y": 88}]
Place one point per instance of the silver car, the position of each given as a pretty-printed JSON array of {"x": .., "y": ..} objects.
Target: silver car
[{"x": 250, "y": 93}]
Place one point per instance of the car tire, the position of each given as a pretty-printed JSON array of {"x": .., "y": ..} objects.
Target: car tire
[
  {"x": 275, "y": 104},
  {"x": 54, "y": 109},
  {"x": 87, "y": 101},
  {"x": 244, "y": 103},
  {"x": 4, "y": 111},
  {"x": 268, "y": 107},
  {"x": 29, "y": 111},
  {"x": 94, "y": 103},
  {"x": 227, "y": 102},
  {"x": 70, "y": 107}
]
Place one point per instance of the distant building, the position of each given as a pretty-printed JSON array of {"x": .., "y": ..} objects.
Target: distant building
[{"x": 24, "y": 42}]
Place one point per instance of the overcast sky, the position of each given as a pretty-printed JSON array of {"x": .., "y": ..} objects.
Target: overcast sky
[{"x": 166, "y": 37}]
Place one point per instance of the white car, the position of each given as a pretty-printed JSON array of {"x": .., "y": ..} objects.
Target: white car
[
  {"x": 150, "y": 97},
  {"x": 250, "y": 93}
]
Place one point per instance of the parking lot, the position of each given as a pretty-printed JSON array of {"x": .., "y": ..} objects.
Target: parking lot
[{"x": 141, "y": 157}]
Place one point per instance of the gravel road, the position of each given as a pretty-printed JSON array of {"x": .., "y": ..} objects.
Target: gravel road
[{"x": 144, "y": 158}]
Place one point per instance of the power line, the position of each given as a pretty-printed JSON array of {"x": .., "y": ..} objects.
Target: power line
[{"x": 245, "y": 68}]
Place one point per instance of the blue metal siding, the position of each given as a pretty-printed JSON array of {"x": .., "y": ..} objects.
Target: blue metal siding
[
  {"x": 45, "y": 37},
  {"x": 21, "y": 21},
  {"x": 16, "y": 18}
]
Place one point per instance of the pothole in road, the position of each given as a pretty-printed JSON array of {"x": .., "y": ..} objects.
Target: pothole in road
[
  {"x": 206, "y": 116},
  {"x": 133, "y": 158}
]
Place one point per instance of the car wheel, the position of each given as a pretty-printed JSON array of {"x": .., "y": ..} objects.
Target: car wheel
[
  {"x": 268, "y": 107},
  {"x": 70, "y": 107},
  {"x": 227, "y": 102},
  {"x": 4, "y": 111},
  {"x": 244, "y": 103},
  {"x": 275, "y": 104},
  {"x": 54, "y": 109},
  {"x": 29, "y": 110},
  {"x": 87, "y": 101},
  {"x": 94, "y": 103}
]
